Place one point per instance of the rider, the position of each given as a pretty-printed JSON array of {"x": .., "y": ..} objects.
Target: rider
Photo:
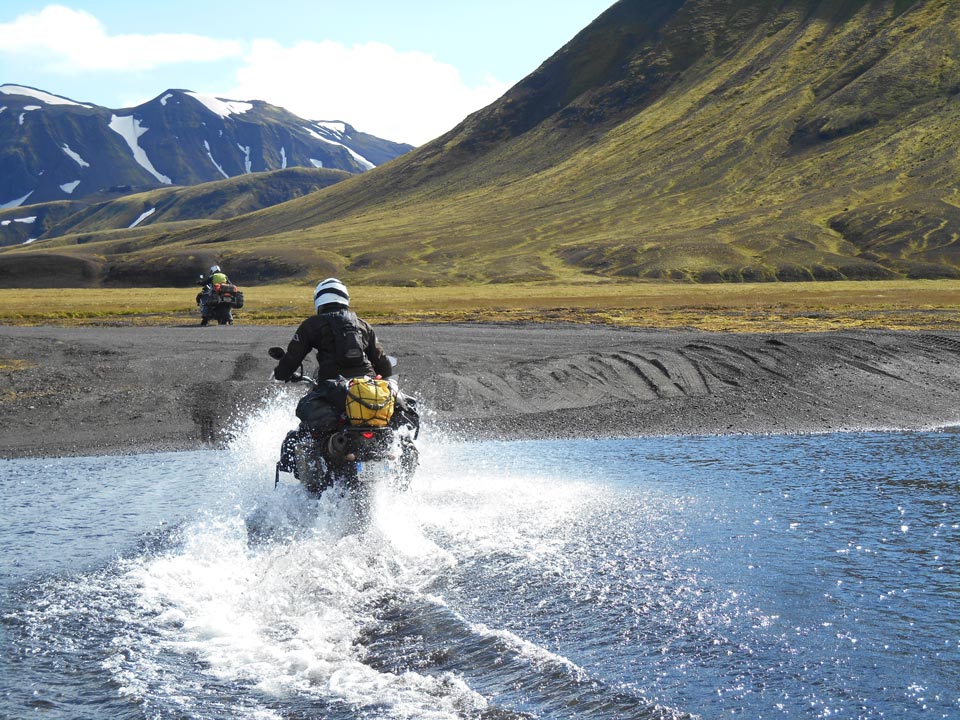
[
  {"x": 215, "y": 277},
  {"x": 346, "y": 345}
]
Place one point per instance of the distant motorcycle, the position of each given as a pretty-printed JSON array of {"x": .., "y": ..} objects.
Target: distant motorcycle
[
  {"x": 217, "y": 301},
  {"x": 329, "y": 450}
]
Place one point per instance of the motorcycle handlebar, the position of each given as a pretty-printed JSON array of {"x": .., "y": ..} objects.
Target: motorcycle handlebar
[
  {"x": 276, "y": 353},
  {"x": 300, "y": 377}
]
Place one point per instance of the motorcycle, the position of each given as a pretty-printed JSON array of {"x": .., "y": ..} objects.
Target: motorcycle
[
  {"x": 327, "y": 451},
  {"x": 217, "y": 302}
]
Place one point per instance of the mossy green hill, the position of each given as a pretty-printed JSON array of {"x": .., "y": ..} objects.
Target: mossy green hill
[{"x": 708, "y": 140}]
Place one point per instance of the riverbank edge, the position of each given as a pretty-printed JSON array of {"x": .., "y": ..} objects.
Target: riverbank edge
[{"x": 108, "y": 391}]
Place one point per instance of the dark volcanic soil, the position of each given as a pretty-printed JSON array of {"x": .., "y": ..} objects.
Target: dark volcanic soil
[{"x": 67, "y": 391}]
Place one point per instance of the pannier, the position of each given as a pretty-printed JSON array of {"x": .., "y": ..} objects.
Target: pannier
[
  {"x": 227, "y": 293},
  {"x": 322, "y": 408}
]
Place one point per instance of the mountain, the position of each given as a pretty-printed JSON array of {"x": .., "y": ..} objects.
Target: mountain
[
  {"x": 54, "y": 149},
  {"x": 77, "y": 221},
  {"x": 699, "y": 140}
]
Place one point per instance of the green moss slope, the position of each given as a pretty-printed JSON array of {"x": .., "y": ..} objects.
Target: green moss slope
[{"x": 706, "y": 140}]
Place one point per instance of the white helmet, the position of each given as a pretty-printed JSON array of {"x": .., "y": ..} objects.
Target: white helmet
[
  {"x": 214, "y": 269},
  {"x": 331, "y": 290}
]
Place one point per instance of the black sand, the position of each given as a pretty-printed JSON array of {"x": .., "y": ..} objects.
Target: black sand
[{"x": 85, "y": 391}]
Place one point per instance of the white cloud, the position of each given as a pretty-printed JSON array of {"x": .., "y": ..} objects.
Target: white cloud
[
  {"x": 73, "y": 41},
  {"x": 401, "y": 96}
]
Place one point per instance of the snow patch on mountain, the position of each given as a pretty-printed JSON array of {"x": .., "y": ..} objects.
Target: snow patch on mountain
[
  {"x": 245, "y": 149},
  {"x": 15, "y": 203},
  {"x": 40, "y": 95},
  {"x": 223, "y": 108},
  {"x": 74, "y": 156},
  {"x": 30, "y": 219},
  {"x": 215, "y": 163},
  {"x": 363, "y": 162},
  {"x": 69, "y": 187},
  {"x": 316, "y": 163},
  {"x": 142, "y": 217},
  {"x": 163, "y": 100},
  {"x": 26, "y": 109},
  {"x": 130, "y": 129},
  {"x": 338, "y": 128},
  {"x": 283, "y": 157}
]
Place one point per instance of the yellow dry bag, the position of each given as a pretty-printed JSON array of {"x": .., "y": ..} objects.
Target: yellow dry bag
[{"x": 369, "y": 402}]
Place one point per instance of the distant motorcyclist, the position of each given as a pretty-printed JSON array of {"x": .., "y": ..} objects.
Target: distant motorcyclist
[
  {"x": 346, "y": 345},
  {"x": 208, "y": 298}
]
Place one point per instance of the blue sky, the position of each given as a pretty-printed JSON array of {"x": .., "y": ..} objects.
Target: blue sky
[{"x": 405, "y": 71}]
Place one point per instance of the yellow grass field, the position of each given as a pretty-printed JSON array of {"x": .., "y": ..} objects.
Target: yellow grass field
[{"x": 761, "y": 307}]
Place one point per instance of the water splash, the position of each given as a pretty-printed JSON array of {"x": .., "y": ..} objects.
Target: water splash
[
  {"x": 283, "y": 596},
  {"x": 254, "y": 441}
]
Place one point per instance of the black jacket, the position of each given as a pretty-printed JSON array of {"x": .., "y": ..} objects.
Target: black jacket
[{"x": 316, "y": 333}]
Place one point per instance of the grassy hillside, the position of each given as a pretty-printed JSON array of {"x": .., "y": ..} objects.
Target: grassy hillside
[
  {"x": 21, "y": 224},
  {"x": 207, "y": 201},
  {"x": 705, "y": 140},
  {"x": 728, "y": 307}
]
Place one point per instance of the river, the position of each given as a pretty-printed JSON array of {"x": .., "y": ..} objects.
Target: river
[{"x": 788, "y": 576}]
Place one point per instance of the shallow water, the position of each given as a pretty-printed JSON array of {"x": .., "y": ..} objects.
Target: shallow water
[{"x": 782, "y": 576}]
